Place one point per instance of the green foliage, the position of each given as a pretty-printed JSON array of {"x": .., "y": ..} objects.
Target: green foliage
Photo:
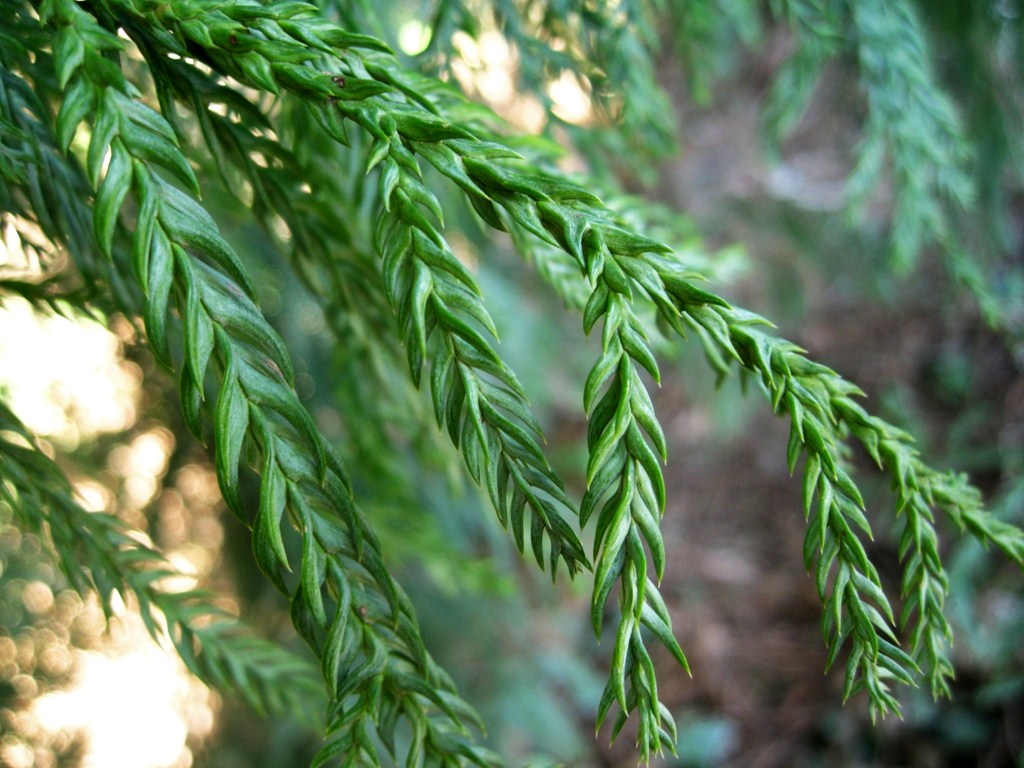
[{"x": 114, "y": 112}]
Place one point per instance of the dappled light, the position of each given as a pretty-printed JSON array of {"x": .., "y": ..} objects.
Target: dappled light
[
  {"x": 134, "y": 704},
  {"x": 99, "y": 688},
  {"x": 79, "y": 388}
]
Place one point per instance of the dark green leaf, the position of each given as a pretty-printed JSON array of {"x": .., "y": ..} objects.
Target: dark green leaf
[
  {"x": 111, "y": 195},
  {"x": 230, "y": 425}
]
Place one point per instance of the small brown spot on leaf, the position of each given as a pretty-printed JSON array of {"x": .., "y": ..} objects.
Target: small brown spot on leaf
[{"x": 273, "y": 367}]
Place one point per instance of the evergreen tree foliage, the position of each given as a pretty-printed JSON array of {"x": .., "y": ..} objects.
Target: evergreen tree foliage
[{"x": 117, "y": 117}]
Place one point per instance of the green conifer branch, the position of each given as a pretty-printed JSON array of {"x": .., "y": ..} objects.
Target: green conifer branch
[
  {"x": 44, "y": 186},
  {"x": 475, "y": 411},
  {"x": 798, "y": 386},
  {"x": 670, "y": 288},
  {"x": 345, "y": 78},
  {"x": 324, "y": 246},
  {"x": 618, "y": 261},
  {"x": 706, "y": 35},
  {"x": 344, "y": 603},
  {"x": 475, "y": 394},
  {"x": 724, "y": 332}
]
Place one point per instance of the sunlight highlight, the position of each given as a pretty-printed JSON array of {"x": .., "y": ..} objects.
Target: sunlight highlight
[
  {"x": 65, "y": 378},
  {"x": 414, "y": 37},
  {"x": 131, "y": 703},
  {"x": 138, "y": 709}
]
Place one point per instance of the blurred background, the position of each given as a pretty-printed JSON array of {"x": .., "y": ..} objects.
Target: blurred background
[{"x": 776, "y": 231}]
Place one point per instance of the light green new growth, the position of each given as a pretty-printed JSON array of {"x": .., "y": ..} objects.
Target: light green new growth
[{"x": 315, "y": 100}]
